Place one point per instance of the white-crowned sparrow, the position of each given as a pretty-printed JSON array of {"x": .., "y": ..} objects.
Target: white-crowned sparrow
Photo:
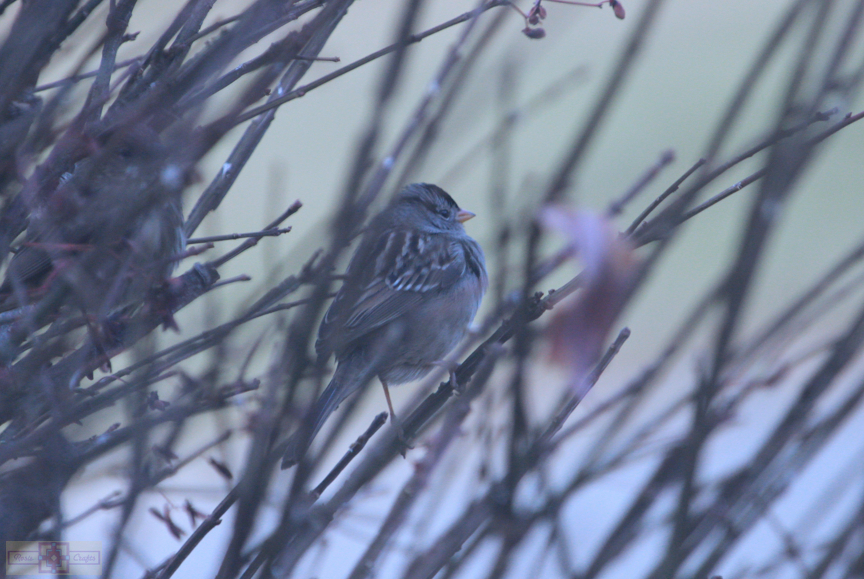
[{"x": 411, "y": 290}]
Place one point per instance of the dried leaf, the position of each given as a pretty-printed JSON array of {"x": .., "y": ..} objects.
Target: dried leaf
[{"x": 580, "y": 326}]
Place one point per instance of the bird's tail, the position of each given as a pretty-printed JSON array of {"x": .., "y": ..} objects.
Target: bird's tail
[{"x": 345, "y": 381}]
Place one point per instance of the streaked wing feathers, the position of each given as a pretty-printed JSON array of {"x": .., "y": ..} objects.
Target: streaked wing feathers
[
  {"x": 27, "y": 266},
  {"x": 406, "y": 266}
]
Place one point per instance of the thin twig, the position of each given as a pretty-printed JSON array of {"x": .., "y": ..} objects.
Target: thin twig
[
  {"x": 352, "y": 452},
  {"x": 617, "y": 206},
  {"x": 413, "y": 39},
  {"x": 653, "y": 205},
  {"x": 232, "y": 236},
  {"x": 252, "y": 242},
  {"x": 85, "y": 75},
  {"x": 580, "y": 390}
]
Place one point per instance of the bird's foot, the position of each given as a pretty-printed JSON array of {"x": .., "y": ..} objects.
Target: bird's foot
[{"x": 451, "y": 368}]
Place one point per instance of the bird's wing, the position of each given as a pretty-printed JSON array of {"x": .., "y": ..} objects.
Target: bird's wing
[
  {"x": 388, "y": 276},
  {"x": 28, "y": 266}
]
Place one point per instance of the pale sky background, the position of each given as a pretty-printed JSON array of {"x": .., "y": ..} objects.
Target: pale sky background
[{"x": 692, "y": 63}]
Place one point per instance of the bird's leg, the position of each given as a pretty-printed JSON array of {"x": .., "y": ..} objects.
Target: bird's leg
[{"x": 394, "y": 420}]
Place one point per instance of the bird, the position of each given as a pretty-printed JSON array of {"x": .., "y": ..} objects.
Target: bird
[
  {"x": 110, "y": 228},
  {"x": 412, "y": 287}
]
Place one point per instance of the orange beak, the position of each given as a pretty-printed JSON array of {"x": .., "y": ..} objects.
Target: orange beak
[{"x": 462, "y": 216}]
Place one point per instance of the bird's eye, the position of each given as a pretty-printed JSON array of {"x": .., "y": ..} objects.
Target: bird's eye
[{"x": 445, "y": 213}]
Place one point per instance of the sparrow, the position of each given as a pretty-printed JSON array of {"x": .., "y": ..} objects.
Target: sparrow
[
  {"x": 411, "y": 290},
  {"x": 111, "y": 228}
]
